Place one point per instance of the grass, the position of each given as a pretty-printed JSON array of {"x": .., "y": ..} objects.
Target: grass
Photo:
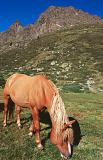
[{"x": 86, "y": 108}]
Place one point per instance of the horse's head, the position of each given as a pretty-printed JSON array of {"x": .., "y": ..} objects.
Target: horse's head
[{"x": 64, "y": 140}]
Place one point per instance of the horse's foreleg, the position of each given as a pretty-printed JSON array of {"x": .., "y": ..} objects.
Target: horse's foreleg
[
  {"x": 18, "y": 110},
  {"x": 36, "y": 125},
  {"x": 6, "y": 98}
]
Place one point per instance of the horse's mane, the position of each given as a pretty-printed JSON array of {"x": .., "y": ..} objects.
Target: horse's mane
[
  {"x": 59, "y": 116},
  {"x": 58, "y": 112}
]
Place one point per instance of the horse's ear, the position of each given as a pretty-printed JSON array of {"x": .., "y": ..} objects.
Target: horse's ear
[{"x": 68, "y": 125}]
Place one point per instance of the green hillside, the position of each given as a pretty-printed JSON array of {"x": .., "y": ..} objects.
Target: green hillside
[{"x": 67, "y": 56}]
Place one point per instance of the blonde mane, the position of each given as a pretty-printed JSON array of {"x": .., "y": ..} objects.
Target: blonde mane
[
  {"x": 59, "y": 118},
  {"x": 58, "y": 113}
]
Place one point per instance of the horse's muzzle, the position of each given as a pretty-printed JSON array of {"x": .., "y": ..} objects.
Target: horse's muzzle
[{"x": 64, "y": 157}]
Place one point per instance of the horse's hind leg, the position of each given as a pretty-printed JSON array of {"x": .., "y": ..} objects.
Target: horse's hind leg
[
  {"x": 6, "y": 98},
  {"x": 18, "y": 110},
  {"x": 31, "y": 129},
  {"x": 36, "y": 125}
]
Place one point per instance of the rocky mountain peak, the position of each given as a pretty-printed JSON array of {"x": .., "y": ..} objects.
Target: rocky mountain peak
[
  {"x": 53, "y": 19},
  {"x": 16, "y": 26},
  {"x": 68, "y": 13}
]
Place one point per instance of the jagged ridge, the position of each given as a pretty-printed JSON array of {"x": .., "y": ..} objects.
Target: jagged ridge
[{"x": 54, "y": 18}]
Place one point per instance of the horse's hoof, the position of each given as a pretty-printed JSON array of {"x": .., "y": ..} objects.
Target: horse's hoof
[
  {"x": 40, "y": 146},
  {"x": 30, "y": 134},
  {"x": 19, "y": 126},
  {"x": 4, "y": 125}
]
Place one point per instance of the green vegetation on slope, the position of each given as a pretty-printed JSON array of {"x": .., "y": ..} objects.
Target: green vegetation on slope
[{"x": 65, "y": 56}]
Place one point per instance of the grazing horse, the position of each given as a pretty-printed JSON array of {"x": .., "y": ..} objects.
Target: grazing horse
[{"x": 36, "y": 93}]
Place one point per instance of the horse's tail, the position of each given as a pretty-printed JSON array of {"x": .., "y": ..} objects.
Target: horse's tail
[
  {"x": 6, "y": 99},
  {"x": 8, "y": 105}
]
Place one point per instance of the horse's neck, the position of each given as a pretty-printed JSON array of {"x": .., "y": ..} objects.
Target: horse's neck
[{"x": 54, "y": 135}]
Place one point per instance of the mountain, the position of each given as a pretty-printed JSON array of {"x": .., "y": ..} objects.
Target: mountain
[
  {"x": 67, "y": 54},
  {"x": 10, "y": 34},
  {"x": 53, "y": 19}
]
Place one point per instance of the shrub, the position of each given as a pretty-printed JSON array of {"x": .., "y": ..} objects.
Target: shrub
[{"x": 76, "y": 88}]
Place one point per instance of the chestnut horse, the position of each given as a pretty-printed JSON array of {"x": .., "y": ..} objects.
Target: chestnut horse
[{"x": 36, "y": 93}]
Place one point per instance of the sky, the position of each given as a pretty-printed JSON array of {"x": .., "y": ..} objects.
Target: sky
[{"x": 28, "y": 11}]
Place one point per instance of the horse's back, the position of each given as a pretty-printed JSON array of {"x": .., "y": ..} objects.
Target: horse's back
[
  {"x": 13, "y": 78},
  {"x": 43, "y": 89},
  {"x": 26, "y": 90},
  {"x": 37, "y": 90},
  {"x": 12, "y": 87},
  {"x": 9, "y": 82}
]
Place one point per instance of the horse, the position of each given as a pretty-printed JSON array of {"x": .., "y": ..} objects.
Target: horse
[{"x": 35, "y": 93}]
